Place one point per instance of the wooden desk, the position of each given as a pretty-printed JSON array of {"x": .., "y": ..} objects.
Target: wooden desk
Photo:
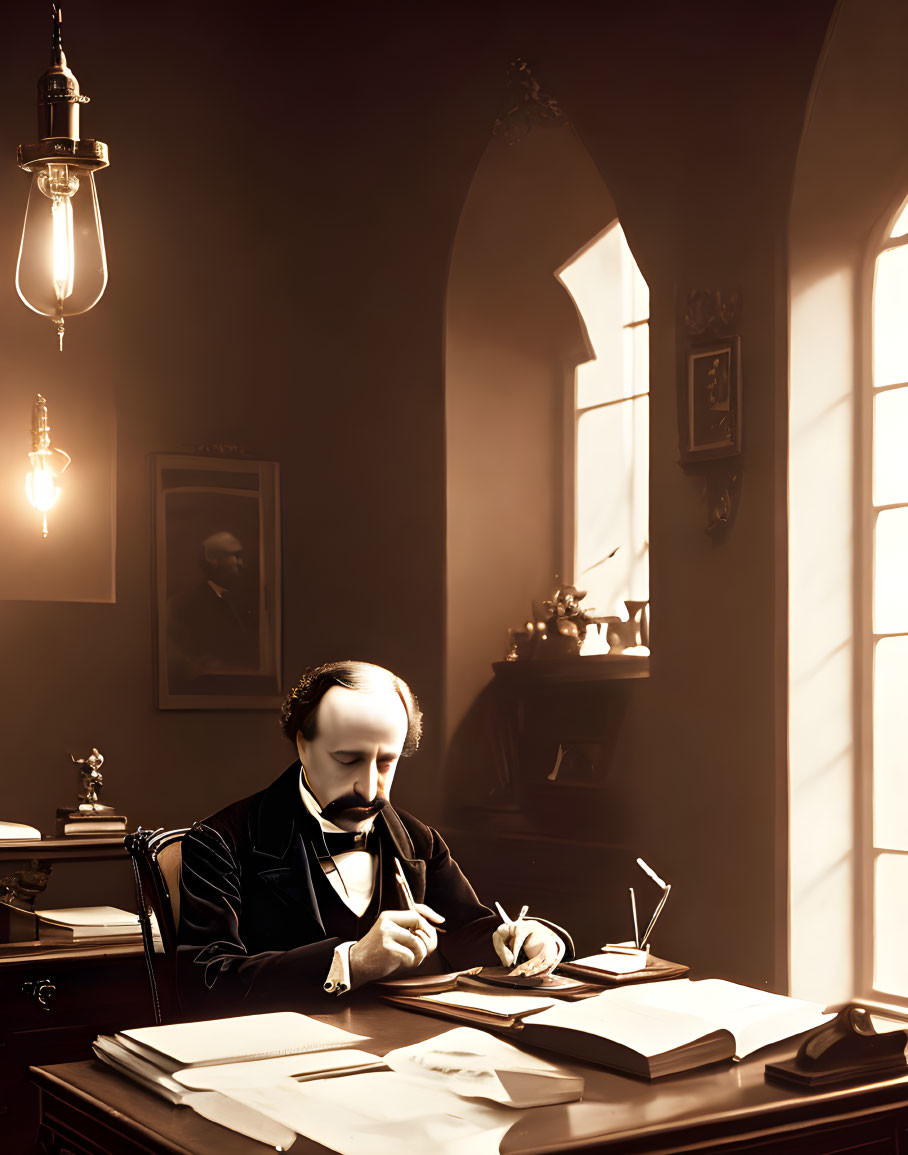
[{"x": 728, "y": 1107}]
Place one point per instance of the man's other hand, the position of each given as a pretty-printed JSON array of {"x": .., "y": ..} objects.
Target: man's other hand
[
  {"x": 397, "y": 939},
  {"x": 541, "y": 946}
]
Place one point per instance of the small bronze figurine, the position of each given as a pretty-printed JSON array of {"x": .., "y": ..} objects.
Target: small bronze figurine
[
  {"x": 91, "y": 817},
  {"x": 92, "y": 779}
]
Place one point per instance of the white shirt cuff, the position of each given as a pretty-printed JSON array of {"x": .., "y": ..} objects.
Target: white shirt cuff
[{"x": 338, "y": 980}]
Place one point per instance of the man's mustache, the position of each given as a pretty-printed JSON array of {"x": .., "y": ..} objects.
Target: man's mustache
[{"x": 363, "y": 807}]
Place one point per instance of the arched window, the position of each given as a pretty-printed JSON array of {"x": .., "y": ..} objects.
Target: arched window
[
  {"x": 607, "y": 489},
  {"x": 886, "y": 797}
]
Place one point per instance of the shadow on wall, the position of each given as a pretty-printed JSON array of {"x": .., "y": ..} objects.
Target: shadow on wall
[{"x": 513, "y": 339}]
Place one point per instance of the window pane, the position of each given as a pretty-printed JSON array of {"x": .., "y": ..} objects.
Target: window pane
[
  {"x": 635, "y": 291},
  {"x": 890, "y": 971},
  {"x": 890, "y": 744},
  {"x": 636, "y": 360},
  {"x": 901, "y": 225},
  {"x": 890, "y": 587},
  {"x": 890, "y": 438},
  {"x": 890, "y": 307},
  {"x": 608, "y": 291},
  {"x": 613, "y": 504}
]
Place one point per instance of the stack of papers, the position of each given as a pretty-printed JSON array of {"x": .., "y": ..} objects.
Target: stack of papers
[{"x": 197, "y": 1065}]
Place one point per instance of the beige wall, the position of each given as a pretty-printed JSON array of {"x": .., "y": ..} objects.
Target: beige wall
[{"x": 284, "y": 194}]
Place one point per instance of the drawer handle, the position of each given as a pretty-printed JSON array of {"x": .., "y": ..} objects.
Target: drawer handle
[{"x": 42, "y": 990}]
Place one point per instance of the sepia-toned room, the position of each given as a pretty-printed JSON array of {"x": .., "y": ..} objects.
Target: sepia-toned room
[{"x": 549, "y": 356}]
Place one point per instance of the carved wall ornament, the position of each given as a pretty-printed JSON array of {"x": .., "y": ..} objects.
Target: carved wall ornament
[
  {"x": 710, "y": 398},
  {"x": 528, "y": 105},
  {"x": 711, "y": 312}
]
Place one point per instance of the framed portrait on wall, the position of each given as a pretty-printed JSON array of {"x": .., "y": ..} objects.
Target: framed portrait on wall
[
  {"x": 710, "y": 402},
  {"x": 217, "y": 582}
]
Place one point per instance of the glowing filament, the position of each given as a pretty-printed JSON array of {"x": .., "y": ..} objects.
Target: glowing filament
[
  {"x": 47, "y": 464},
  {"x": 64, "y": 257}
]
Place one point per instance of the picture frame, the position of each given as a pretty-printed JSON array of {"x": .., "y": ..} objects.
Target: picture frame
[
  {"x": 710, "y": 401},
  {"x": 217, "y": 583}
]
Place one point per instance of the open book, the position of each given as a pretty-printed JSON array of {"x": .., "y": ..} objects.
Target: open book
[{"x": 660, "y": 1028}]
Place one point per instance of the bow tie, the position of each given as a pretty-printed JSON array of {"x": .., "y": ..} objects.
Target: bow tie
[{"x": 345, "y": 840}]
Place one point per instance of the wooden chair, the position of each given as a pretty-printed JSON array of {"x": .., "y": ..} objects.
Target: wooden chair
[{"x": 156, "y": 858}]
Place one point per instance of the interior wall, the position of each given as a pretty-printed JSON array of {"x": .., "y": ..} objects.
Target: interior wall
[
  {"x": 277, "y": 248},
  {"x": 283, "y": 196},
  {"x": 512, "y": 341},
  {"x": 851, "y": 177},
  {"x": 694, "y": 121}
]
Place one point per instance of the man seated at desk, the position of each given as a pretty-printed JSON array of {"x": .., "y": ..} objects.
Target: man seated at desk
[{"x": 293, "y": 890}]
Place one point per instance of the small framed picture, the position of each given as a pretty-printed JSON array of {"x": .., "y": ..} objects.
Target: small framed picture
[
  {"x": 710, "y": 401},
  {"x": 217, "y": 583}
]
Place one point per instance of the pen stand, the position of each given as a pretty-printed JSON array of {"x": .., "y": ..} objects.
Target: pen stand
[{"x": 637, "y": 957}]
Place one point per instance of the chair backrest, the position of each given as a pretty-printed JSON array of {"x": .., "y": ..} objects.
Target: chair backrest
[{"x": 156, "y": 858}]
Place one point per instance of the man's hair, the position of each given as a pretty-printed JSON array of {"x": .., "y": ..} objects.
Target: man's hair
[{"x": 300, "y": 707}]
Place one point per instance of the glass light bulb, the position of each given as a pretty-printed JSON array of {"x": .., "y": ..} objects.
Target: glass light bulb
[
  {"x": 41, "y": 487},
  {"x": 62, "y": 268}
]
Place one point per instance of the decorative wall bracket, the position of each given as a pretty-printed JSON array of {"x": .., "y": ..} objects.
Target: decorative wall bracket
[{"x": 528, "y": 105}]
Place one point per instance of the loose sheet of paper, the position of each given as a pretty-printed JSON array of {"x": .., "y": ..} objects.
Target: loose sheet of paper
[
  {"x": 254, "y": 1073},
  {"x": 476, "y": 1064},
  {"x": 382, "y": 1114},
  {"x": 497, "y": 1004},
  {"x": 614, "y": 963}
]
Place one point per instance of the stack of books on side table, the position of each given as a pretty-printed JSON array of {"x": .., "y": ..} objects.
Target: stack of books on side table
[{"x": 81, "y": 823}]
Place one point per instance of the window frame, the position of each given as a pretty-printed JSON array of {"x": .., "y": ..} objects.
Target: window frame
[
  {"x": 867, "y": 514},
  {"x": 572, "y": 412}
]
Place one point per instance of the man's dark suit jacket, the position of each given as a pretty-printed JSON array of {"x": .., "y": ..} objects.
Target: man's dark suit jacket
[{"x": 251, "y": 935}]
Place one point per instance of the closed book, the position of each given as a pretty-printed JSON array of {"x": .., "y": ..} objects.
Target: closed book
[
  {"x": 501, "y": 1010},
  {"x": 658, "y": 1029},
  {"x": 176, "y": 1046},
  {"x": 18, "y": 832},
  {"x": 77, "y": 922}
]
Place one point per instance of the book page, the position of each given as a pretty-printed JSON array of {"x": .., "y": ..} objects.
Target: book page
[
  {"x": 645, "y": 1029},
  {"x": 246, "y": 1036},
  {"x": 756, "y": 1018}
]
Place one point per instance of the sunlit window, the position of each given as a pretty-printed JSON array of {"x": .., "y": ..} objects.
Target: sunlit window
[
  {"x": 608, "y": 502},
  {"x": 888, "y": 853}
]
